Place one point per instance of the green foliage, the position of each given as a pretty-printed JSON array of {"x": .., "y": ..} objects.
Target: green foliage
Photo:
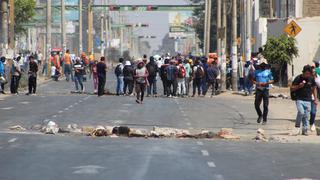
[
  {"x": 280, "y": 50},
  {"x": 24, "y": 11}
]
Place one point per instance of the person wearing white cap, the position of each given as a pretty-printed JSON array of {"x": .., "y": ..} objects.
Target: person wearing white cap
[
  {"x": 262, "y": 79},
  {"x": 128, "y": 73}
]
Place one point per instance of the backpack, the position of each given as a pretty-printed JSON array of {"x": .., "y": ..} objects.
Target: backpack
[
  {"x": 118, "y": 71},
  {"x": 199, "y": 73},
  {"x": 182, "y": 72}
]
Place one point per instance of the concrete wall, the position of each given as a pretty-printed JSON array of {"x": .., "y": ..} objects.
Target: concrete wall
[
  {"x": 308, "y": 41},
  {"x": 311, "y": 8}
]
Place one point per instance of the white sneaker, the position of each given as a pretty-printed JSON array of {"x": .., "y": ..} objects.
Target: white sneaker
[
  {"x": 296, "y": 132},
  {"x": 313, "y": 128}
]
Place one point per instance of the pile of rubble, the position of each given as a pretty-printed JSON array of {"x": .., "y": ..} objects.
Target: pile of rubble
[
  {"x": 52, "y": 127},
  {"x": 276, "y": 95}
]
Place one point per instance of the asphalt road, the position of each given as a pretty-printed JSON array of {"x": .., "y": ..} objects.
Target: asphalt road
[{"x": 37, "y": 156}]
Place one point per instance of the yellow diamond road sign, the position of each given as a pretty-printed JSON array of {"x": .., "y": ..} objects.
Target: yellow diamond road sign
[{"x": 292, "y": 29}]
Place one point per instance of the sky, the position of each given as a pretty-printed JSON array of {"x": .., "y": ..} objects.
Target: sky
[{"x": 158, "y": 21}]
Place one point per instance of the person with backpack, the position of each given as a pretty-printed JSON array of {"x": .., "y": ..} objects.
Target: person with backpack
[
  {"x": 152, "y": 68},
  {"x": 181, "y": 80},
  {"x": 204, "y": 63},
  {"x": 212, "y": 74},
  {"x": 302, "y": 89},
  {"x": 262, "y": 79},
  {"x": 141, "y": 81},
  {"x": 172, "y": 74},
  {"x": 128, "y": 78},
  {"x": 119, "y": 74},
  {"x": 78, "y": 75},
  {"x": 15, "y": 76},
  {"x": 198, "y": 74},
  {"x": 102, "y": 74},
  {"x": 32, "y": 73}
]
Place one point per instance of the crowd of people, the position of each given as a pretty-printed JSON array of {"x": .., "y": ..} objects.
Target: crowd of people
[{"x": 181, "y": 76}]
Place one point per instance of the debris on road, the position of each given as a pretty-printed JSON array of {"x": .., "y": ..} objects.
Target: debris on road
[
  {"x": 73, "y": 128},
  {"x": 121, "y": 130},
  {"x": 227, "y": 133},
  {"x": 137, "y": 133},
  {"x": 99, "y": 131},
  {"x": 206, "y": 134},
  {"x": 17, "y": 128},
  {"x": 260, "y": 136},
  {"x": 51, "y": 128},
  {"x": 87, "y": 130}
]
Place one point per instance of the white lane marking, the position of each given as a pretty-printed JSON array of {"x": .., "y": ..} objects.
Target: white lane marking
[
  {"x": 200, "y": 143},
  {"x": 218, "y": 177},
  {"x": 7, "y": 108},
  {"x": 211, "y": 164},
  {"x": 90, "y": 169},
  {"x": 86, "y": 98},
  {"x": 54, "y": 116},
  {"x": 25, "y": 102},
  {"x": 66, "y": 109},
  {"x": 12, "y": 140},
  {"x": 189, "y": 124},
  {"x": 71, "y": 106},
  {"x": 186, "y": 119},
  {"x": 80, "y": 101},
  {"x": 60, "y": 112},
  {"x": 76, "y": 103},
  {"x": 205, "y": 153},
  {"x": 182, "y": 111},
  {"x": 123, "y": 111}
]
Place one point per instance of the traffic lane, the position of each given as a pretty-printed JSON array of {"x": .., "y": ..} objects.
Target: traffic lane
[
  {"x": 45, "y": 157},
  {"x": 30, "y": 110},
  {"x": 241, "y": 160},
  {"x": 123, "y": 110}
]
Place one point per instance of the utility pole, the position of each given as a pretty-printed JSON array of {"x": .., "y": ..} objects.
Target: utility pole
[
  {"x": 223, "y": 46},
  {"x": 4, "y": 30},
  {"x": 219, "y": 30},
  {"x": 48, "y": 36},
  {"x": 90, "y": 27},
  {"x": 102, "y": 36},
  {"x": 63, "y": 29},
  {"x": 80, "y": 27},
  {"x": 207, "y": 27},
  {"x": 11, "y": 27},
  {"x": 248, "y": 29},
  {"x": 234, "y": 47},
  {"x": 271, "y": 8}
]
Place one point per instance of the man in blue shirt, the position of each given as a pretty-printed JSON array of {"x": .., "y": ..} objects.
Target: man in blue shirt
[
  {"x": 262, "y": 79},
  {"x": 2, "y": 73}
]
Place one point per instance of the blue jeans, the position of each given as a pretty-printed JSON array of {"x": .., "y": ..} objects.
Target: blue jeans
[
  {"x": 304, "y": 109},
  {"x": 248, "y": 85},
  {"x": 313, "y": 113},
  {"x": 119, "y": 85},
  {"x": 78, "y": 80},
  {"x": 68, "y": 72},
  {"x": 152, "y": 85}
]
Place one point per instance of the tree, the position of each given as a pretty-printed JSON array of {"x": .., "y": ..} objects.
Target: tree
[
  {"x": 24, "y": 11},
  {"x": 280, "y": 51}
]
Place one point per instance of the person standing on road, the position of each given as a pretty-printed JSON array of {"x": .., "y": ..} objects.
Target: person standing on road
[
  {"x": 141, "y": 79},
  {"x": 68, "y": 66},
  {"x": 78, "y": 75},
  {"x": 262, "y": 79},
  {"x": 205, "y": 66},
  {"x": 94, "y": 76},
  {"x": 102, "y": 74},
  {"x": 32, "y": 73},
  {"x": 248, "y": 75},
  {"x": 119, "y": 74},
  {"x": 152, "y": 78},
  {"x": 15, "y": 76},
  {"x": 181, "y": 79},
  {"x": 163, "y": 76},
  {"x": 128, "y": 73},
  {"x": 187, "y": 67},
  {"x": 198, "y": 74},
  {"x": 212, "y": 74},
  {"x": 172, "y": 74},
  {"x": 303, "y": 87},
  {"x": 2, "y": 74},
  {"x": 314, "y": 105}
]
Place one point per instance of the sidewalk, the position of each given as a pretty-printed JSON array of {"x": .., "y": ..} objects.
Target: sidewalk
[{"x": 281, "y": 121}]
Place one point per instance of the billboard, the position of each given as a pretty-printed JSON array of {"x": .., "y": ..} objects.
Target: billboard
[{"x": 181, "y": 22}]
